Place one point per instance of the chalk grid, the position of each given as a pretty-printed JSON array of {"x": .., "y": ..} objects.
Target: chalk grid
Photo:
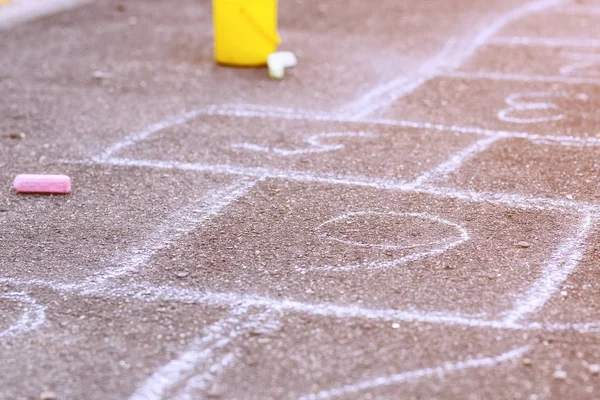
[{"x": 201, "y": 364}]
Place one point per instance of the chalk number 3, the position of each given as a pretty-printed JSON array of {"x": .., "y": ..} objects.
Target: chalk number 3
[{"x": 522, "y": 107}]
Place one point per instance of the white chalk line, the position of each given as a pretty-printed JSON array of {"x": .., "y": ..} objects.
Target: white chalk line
[
  {"x": 262, "y": 107},
  {"x": 375, "y": 265},
  {"x": 386, "y": 94},
  {"x": 32, "y": 317},
  {"x": 581, "y": 327},
  {"x": 439, "y": 371},
  {"x": 500, "y": 76},
  {"x": 511, "y": 16},
  {"x": 513, "y": 200},
  {"x": 577, "y": 10},
  {"x": 243, "y": 111},
  {"x": 58, "y": 286},
  {"x": 217, "y": 336},
  {"x": 455, "y": 161},
  {"x": 172, "y": 229},
  {"x": 536, "y": 41},
  {"x": 258, "y": 172},
  {"x": 451, "y": 56},
  {"x": 156, "y": 386},
  {"x": 148, "y": 293},
  {"x": 201, "y": 382},
  {"x": 370, "y": 101},
  {"x": 443, "y": 245},
  {"x": 554, "y": 273},
  {"x": 145, "y": 133},
  {"x": 20, "y": 12},
  {"x": 563, "y": 140},
  {"x": 472, "y": 196}
]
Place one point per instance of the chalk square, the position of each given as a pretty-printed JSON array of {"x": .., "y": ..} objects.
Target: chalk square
[
  {"x": 364, "y": 247},
  {"x": 522, "y": 108},
  {"x": 545, "y": 170},
  {"x": 351, "y": 358},
  {"x": 332, "y": 149}
]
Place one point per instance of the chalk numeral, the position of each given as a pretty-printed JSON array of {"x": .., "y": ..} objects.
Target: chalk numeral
[
  {"x": 314, "y": 143},
  {"x": 525, "y": 104}
]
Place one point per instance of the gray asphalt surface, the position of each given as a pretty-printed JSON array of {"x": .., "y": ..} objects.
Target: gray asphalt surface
[{"x": 411, "y": 213}]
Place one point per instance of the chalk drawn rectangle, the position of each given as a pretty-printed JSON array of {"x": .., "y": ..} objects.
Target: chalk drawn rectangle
[
  {"x": 532, "y": 107},
  {"x": 542, "y": 169},
  {"x": 321, "y": 147},
  {"x": 375, "y": 356},
  {"x": 421, "y": 252}
]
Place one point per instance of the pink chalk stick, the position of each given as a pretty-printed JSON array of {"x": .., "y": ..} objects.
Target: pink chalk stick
[{"x": 60, "y": 184}]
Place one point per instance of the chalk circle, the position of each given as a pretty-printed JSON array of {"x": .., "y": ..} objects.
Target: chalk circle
[
  {"x": 411, "y": 236},
  {"x": 390, "y": 230},
  {"x": 32, "y": 314}
]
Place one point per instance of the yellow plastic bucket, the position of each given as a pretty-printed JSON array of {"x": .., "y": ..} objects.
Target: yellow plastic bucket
[{"x": 245, "y": 31}]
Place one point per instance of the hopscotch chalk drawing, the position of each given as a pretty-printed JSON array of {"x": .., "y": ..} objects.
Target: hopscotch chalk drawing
[
  {"x": 519, "y": 104},
  {"x": 314, "y": 142},
  {"x": 409, "y": 236},
  {"x": 208, "y": 357}
]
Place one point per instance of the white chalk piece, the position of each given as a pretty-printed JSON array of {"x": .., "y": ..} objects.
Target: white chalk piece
[
  {"x": 279, "y": 61},
  {"x": 58, "y": 184},
  {"x": 276, "y": 69},
  {"x": 288, "y": 58}
]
